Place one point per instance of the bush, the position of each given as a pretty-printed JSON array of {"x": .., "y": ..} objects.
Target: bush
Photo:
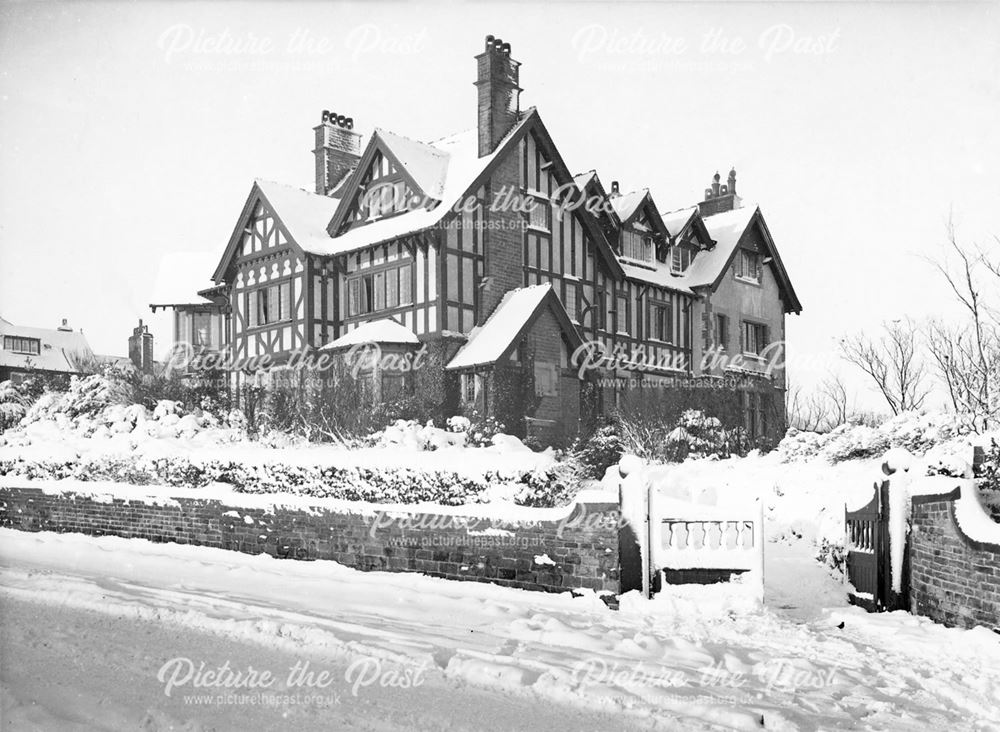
[
  {"x": 599, "y": 450},
  {"x": 693, "y": 435},
  {"x": 14, "y": 404},
  {"x": 382, "y": 485},
  {"x": 914, "y": 431}
]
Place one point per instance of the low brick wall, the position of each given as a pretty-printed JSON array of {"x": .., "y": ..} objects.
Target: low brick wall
[
  {"x": 582, "y": 545},
  {"x": 954, "y": 580}
]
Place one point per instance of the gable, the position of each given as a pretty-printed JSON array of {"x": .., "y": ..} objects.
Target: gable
[
  {"x": 381, "y": 169},
  {"x": 258, "y": 230},
  {"x": 756, "y": 237}
]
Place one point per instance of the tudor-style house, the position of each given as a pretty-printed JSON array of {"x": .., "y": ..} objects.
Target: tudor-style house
[{"x": 483, "y": 249}]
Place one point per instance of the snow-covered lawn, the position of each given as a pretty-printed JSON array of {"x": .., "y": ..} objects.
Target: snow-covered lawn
[{"x": 696, "y": 657}]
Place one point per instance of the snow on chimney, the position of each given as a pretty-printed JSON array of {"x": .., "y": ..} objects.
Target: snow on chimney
[
  {"x": 64, "y": 326},
  {"x": 720, "y": 197},
  {"x": 338, "y": 150},
  {"x": 498, "y": 93}
]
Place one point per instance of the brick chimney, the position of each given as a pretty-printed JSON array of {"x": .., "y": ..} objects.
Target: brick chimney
[
  {"x": 720, "y": 197},
  {"x": 499, "y": 93},
  {"x": 338, "y": 149},
  {"x": 64, "y": 326},
  {"x": 140, "y": 348}
]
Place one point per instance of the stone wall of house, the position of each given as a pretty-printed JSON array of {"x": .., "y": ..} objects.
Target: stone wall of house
[
  {"x": 579, "y": 550},
  {"x": 954, "y": 579}
]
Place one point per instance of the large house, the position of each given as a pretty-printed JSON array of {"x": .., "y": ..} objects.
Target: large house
[{"x": 486, "y": 252}]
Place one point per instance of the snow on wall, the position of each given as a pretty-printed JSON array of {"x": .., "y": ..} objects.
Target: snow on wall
[{"x": 479, "y": 543}]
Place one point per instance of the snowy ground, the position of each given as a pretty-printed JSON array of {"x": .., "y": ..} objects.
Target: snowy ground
[{"x": 91, "y": 622}]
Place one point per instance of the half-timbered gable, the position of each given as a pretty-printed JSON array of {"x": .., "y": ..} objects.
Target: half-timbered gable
[{"x": 273, "y": 284}]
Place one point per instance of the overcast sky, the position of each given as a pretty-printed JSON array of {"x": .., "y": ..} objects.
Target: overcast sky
[{"x": 131, "y": 130}]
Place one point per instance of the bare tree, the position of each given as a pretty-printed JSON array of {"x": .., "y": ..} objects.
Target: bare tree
[
  {"x": 893, "y": 362},
  {"x": 820, "y": 411},
  {"x": 966, "y": 356}
]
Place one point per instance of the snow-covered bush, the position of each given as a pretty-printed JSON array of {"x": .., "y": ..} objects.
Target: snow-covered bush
[
  {"x": 14, "y": 405},
  {"x": 375, "y": 485},
  {"x": 914, "y": 431},
  {"x": 599, "y": 450},
  {"x": 693, "y": 435}
]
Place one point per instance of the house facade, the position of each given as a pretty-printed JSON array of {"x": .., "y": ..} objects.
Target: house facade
[{"x": 530, "y": 293}]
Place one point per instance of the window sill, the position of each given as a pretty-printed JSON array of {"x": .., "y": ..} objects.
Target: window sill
[
  {"x": 539, "y": 229},
  {"x": 746, "y": 280}
]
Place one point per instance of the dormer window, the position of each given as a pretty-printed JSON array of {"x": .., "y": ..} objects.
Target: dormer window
[
  {"x": 17, "y": 344},
  {"x": 680, "y": 258},
  {"x": 637, "y": 246},
  {"x": 748, "y": 266}
]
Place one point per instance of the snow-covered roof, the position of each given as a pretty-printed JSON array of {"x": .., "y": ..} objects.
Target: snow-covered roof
[
  {"x": 626, "y": 204},
  {"x": 375, "y": 331},
  {"x": 60, "y": 350},
  {"x": 425, "y": 163},
  {"x": 676, "y": 221},
  {"x": 464, "y": 166},
  {"x": 726, "y": 228},
  {"x": 488, "y": 343},
  {"x": 305, "y": 214},
  {"x": 180, "y": 275},
  {"x": 582, "y": 180}
]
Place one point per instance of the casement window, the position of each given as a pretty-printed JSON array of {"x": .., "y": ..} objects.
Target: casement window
[
  {"x": 621, "y": 314},
  {"x": 474, "y": 390},
  {"x": 661, "y": 322},
  {"x": 722, "y": 331},
  {"x": 754, "y": 337},
  {"x": 270, "y": 304},
  {"x": 680, "y": 258},
  {"x": 637, "y": 246},
  {"x": 201, "y": 329},
  {"x": 19, "y": 344},
  {"x": 748, "y": 266},
  {"x": 385, "y": 198},
  {"x": 386, "y": 289},
  {"x": 540, "y": 215}
]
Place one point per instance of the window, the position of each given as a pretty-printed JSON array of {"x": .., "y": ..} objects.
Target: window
[
  {"x": 267, "y": 305},
  {"x": 662, "y": 322},
  {"x": 388, "y": 288},
  {"x": 680, "y": 258},
  {"x": 622, "y": 314},
  {"x": 754, "y": 337},
  {"x": 540, "y": 215},
  {"x": 201, "y": 329},
  {"x": 385, "y": 199},
  {"x": 722, "y": 331},
  {"x": 473, "y": 386},
  {"x": 748, "y": 266},
  {"x": 17, "y": 344},
  {"x": 637, "y": 246}
]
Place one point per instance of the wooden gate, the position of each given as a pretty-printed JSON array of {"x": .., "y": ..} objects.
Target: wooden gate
[{"x": 869, "y": 572}]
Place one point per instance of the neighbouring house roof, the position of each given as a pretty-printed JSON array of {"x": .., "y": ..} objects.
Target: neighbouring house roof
[
  {"x": 496, "y": 338},
  {"x": 375, "y": 331},
  {"x": 65, "y": 351}
]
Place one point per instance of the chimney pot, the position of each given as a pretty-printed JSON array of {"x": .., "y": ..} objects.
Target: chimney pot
[
  {"x": 349, "y": 123},
  {"x": 506, "y": 49},
  {"x": 489, "y": 41},
  {"x": 614, "y": 187}
]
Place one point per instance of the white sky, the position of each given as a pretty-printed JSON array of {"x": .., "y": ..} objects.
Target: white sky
[{"x": 130, "y": 130}]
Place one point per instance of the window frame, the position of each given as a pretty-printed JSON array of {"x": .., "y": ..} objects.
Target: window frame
[
  {"x": 35, "y": 343},
  {"x": 740, "y": 271}
]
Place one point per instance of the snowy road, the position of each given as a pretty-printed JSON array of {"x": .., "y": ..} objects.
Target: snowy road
[{"x": 90, "y": 623}]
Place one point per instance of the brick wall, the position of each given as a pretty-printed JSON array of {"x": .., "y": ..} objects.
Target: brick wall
[
  {"x": 953, "y": 579},
  {"x": 583, "y": 545}
]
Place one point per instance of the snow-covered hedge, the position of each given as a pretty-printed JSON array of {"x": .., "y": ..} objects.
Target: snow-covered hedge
[
  {"x": 376, "y": 485},
  {"x": 911, "y": 431}
]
